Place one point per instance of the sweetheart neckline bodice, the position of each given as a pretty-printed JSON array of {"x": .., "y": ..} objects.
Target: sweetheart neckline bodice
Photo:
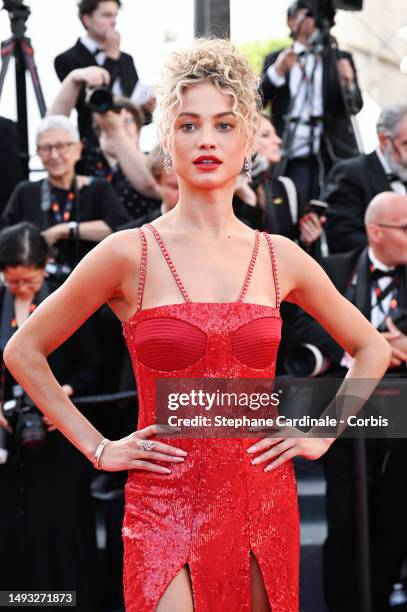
[{"x": 274, "y": 309}]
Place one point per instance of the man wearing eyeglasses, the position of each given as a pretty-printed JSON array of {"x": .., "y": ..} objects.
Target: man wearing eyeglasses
[
  {"x": 374, "y": 279},
  {"x": 74, "y": 212},
  {"x": 353, "y": 183}
]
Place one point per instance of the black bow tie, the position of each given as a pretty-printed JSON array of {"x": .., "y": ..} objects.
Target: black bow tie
[
  {"x": 97, "y": 50},
  {"x": 376, "y": 273},
  {"x": 391, "y": 177}
]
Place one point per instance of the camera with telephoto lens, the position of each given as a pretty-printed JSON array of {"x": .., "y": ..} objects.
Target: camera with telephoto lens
[
  {"x": 16, "y": 8},
  {"x": 99, "y": 99},
  {"x": 324, "y": 10},
  {"x": 399, "y": 318},
  {"x": 305, "y": 360},
  {"x": 58, "y": 272},
  {"x": 25, "y": 419},
  {"x": 18, "y": 14}
]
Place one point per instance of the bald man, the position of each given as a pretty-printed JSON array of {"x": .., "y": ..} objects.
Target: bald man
[{"x": 374, "y": 279}]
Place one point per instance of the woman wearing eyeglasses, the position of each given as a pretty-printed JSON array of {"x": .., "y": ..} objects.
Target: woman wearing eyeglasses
[
  {"x": 73, "y": 212},
  {"x": 46, "y": 523}
]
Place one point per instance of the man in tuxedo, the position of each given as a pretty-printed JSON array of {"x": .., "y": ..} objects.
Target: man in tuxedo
[
  {"x": 374, "y": 279},
  {"x": 101, "y": 46},
  {"x": 354, "y": 182},
  {"x": 316, "y": 91}
]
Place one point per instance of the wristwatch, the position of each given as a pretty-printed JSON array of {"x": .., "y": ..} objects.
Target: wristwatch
[{"x": 73, "y": 229}]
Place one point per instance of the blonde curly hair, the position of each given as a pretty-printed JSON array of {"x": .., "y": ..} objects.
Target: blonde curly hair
[{"x": 213, "y": 60}]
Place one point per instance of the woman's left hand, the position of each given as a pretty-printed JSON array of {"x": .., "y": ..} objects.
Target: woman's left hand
[{"x": 283, "y": 449}]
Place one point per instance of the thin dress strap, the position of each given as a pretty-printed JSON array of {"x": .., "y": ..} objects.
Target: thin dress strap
[
  {"x": 169, "y": 261},
  {"x": 143, "y": 263},
  {"x": 274, "y": 266},
  {"x": 250, "y": 268}
]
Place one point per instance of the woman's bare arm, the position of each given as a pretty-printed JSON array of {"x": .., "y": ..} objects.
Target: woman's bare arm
[
  {"x": 107, "y": 274},
  {"x": 94, "y": 231},
  {"x": 115, "y": 141},
  {"x": 68, "y": 94},
  {"x": 306, "y": 284}
]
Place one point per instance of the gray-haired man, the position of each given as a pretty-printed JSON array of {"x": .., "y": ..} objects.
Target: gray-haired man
[{"x": 353, "y": 183}]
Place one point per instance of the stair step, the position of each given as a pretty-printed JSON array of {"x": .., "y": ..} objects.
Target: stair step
[
  {"x": 313, "y": 534},
  {"x": 308, "y": 487}
]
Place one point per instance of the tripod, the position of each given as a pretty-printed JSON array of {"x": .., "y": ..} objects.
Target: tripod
[
  {"x": 323, "y": 48},
  {"x": 19, "y": 47}
]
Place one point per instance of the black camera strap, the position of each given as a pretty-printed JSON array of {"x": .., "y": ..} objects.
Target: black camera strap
[{"x": 50, "y": 205}]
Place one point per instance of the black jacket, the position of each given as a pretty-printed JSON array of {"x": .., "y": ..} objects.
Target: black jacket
[
  {"x": 338, "y": 141},
  {"x": 79, "y": 56},
  {"x": 340, "y": 269},
  {"x": 97, "y": 201},
  {"x": 281, "y": 219},
  {"x": 351, "y": 185},
  {"x": 75, "y": 362},
  {"x": 46, "y": 515}
]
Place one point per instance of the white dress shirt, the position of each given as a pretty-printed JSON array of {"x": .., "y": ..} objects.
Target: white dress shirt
[
  {"x": 377, "y": 314},
  {"x": 141, "y": 92},
  {"x": 307, "y": 96},
  {"x": 100, "y": 57}
]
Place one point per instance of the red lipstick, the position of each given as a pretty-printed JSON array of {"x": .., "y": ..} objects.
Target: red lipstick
[{"x": 207, "y": 163}]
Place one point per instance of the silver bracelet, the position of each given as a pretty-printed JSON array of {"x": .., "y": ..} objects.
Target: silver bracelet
[{"x": 98, "y": 453}]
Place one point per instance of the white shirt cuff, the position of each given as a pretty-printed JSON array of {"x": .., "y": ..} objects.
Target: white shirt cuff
[
  {"x": 141, "y": 94},
  {"x": 276, "y": 79}
]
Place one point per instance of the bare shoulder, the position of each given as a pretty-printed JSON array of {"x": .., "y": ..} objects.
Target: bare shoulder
[
  {"x": 109, "y": 268},
  {"x": 119, "y": 250},
  {"x": 105, "y": 275},
  {"x": 295, "y": 267},
  {"x": 284, "y": 248}
]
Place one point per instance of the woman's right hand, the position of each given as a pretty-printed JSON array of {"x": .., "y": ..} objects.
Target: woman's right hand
[
  {"x": 92, "y": 76},
  {"x": 125, "y": 454}
]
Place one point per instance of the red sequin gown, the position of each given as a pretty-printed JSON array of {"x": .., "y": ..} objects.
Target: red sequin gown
[{"x": 215, "y": 507}]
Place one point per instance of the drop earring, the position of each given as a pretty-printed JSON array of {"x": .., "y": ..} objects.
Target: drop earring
[
  {"x": 167, "y": 161},
  {"x": 248, "y": 164}
]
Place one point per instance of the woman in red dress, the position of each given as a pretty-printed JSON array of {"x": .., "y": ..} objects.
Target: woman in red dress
[{"x": 210, "y": 524}]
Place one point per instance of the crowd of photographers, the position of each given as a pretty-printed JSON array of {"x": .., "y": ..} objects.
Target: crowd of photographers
[{"x": 308, "y": 181}]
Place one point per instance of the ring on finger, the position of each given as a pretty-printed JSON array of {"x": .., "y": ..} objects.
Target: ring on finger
[{"x": 146, "y": 445}]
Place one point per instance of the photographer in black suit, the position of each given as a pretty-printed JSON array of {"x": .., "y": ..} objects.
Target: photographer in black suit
[
  {"x": 311, "y": 89},
  {"x": 354, "y": 182},
  {"x": 100, "y": 46},
  {"x": 374, "y": 278}
]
